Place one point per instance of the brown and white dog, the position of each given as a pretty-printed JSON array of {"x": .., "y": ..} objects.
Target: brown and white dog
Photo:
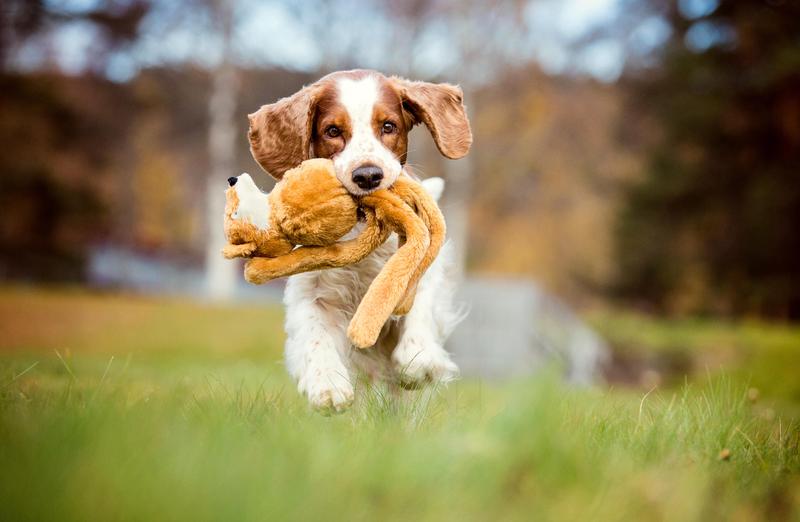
[{"x": 361, "y": 120}]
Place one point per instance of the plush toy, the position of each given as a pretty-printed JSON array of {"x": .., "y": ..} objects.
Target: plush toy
[{"x": 296, "y": 228}]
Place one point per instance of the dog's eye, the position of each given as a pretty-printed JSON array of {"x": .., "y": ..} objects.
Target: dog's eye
[
  {"x": 333, "y": 131},
  {"x": 388, "y": 127}
]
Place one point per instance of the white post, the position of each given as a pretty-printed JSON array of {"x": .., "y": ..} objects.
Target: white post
[{"x": 220, "y": 273}]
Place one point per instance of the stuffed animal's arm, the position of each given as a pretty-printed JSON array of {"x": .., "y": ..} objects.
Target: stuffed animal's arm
[
  {"x": 307, "y": 258},
  {"x": 240, "y": 250},
  {"x": 241, "y": 236},
  {"x": 247, "y": 240},
  {"x": 391, "y": 283},
  {"x": 425, "y": 206}
]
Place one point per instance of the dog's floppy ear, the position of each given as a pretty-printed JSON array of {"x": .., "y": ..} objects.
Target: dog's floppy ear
[
  {"x": 440, "y": 106},
  {"x": 280, "y": 133}
]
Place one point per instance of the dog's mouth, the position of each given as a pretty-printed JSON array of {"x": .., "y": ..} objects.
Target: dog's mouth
[
  {"x": 358, "y": 192},
  {"x": 366, "y": 192}
]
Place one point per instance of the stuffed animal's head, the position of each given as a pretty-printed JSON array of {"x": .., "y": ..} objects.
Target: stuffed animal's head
[
  {"x": 246, "y": 210},
  {"x": 245, "y": 202}
]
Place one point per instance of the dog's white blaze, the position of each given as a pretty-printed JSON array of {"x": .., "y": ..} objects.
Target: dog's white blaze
[
  {"x": 253, "y": 204},
  {"x": 363, "y": 148},
  {"x": 359, "y": 97}
]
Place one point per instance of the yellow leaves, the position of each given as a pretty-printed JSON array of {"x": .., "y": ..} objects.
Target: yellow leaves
[
  {"x": 549, "y": 169},
  {"x": 160, "y": 195}
]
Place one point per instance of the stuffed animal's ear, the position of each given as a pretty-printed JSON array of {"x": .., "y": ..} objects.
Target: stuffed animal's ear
[
  {"x": 280, "y": 133},
  {"x": 434, "y": 186},
  {"x": 440, "y": 106}
]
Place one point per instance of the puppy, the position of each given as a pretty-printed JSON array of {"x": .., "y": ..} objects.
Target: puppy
[{"x": 361, "y": 120}]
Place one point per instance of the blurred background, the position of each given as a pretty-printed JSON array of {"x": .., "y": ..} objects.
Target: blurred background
[{"x": 634, "y": 182}]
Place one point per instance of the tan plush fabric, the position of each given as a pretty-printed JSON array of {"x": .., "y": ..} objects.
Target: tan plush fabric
[
  {"x": 309, "y": 207},
  {"x": 391, "y": 283},
  {"x": 245, "y": 239},
  {"x": 260, "y": 270},
  {"x": 424, "y": 206}
]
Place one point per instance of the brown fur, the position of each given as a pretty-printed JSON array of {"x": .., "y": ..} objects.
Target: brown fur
[
  {"x": 441, "y": 108},
  {"x": 310, "y": 207},
  {"x": 280, "y": 132}
]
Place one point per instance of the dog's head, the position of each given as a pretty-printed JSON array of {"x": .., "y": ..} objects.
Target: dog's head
[{"x": 361, "y": 120}]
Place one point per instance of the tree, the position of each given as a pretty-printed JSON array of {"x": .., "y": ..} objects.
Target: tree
[
  {"x": 713, "y": 227},
  {"x": 117, "y": 25},
  {"x": 58, "y": 136}
]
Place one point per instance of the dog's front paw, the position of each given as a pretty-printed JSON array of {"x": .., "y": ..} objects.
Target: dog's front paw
[
  {"x": 419, "y": 361},
  {"x": 328, "y": 389}
]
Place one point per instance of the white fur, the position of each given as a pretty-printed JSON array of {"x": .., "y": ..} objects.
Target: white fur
[
  {"x": 320, "y": 305},
  {"x": 363, "y": 148},
  {"x": 253, "y": 204}
]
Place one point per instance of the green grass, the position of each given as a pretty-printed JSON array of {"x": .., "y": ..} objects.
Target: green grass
[
  {"x": 119, "y": 408},
  {"x": 767, "y": 356}
]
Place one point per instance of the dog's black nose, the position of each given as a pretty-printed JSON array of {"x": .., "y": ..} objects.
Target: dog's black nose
[
  {"x": 367, "y": 176},
  {"x": 232, "y": 181}
]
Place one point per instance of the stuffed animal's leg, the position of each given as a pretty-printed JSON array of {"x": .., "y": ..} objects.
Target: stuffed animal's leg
[
  {"x": 316, "y": 347},
  {"x": 305, "y": 259},
  {"x": 418, "y": 198},
  {"x": 390, "y": 284},
  {"x": 419, "y": 357},
  {"x": 400, "y": 309}
]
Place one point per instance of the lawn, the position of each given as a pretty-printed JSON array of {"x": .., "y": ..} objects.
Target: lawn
[{"x": 126, "y": 408}]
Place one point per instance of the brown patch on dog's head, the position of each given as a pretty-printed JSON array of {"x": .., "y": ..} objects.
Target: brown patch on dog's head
[
  {"x": 329, "y": 114},
  {"x": 280, "y": 133}
]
